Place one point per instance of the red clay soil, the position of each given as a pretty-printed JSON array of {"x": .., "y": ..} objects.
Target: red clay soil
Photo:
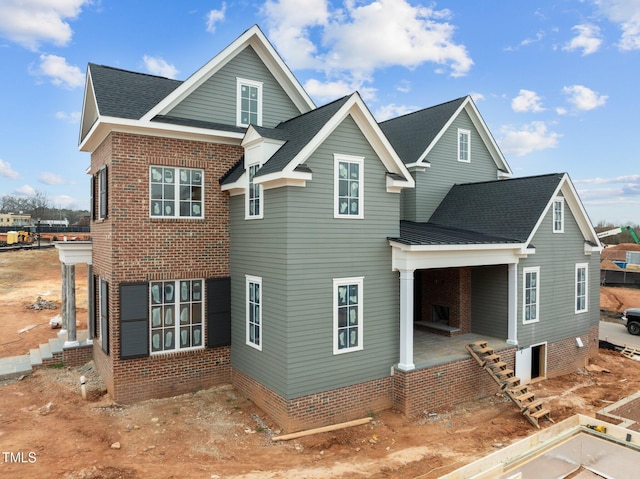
[{"x": 48, "y": 431}]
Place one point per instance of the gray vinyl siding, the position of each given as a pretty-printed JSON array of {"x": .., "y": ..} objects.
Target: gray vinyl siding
[
  {"x": 490, "y": 301},
  {"x": 434, "y": 182},
  {"x": 215, "y": 99},
  {"x": 557, "y": 255},
  {"x": 312, "y": 249}
]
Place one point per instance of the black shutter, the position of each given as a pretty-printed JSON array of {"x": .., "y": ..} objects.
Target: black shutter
[
  {"x": 103, "y": 192},
  {"x": 218, "y": 312},
  {"x": 92, "y": 204},
  {"x": 104, "y": 315},
  {"x": 134, "y": 320}
]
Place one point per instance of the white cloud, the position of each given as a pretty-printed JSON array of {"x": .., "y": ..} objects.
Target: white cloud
[
  {"x": 331, "y": 90},
  {"x": 51, "y": 179},
  {"x": 64, "y": 201},
  {"x": 30, "y": 23},
  {"x": 584, "y": 98},
  {"x": 527, "y": 100},
  {"x": 158, "y": 66},
  {"x": 532, "y": 137},
  {"x": 25, "y": 190},
  {"x": 607, "y": 181},
  {"x": 73, "y": 117},
  {"x": 361, "y": 38},
  {"x": 403, "y": 86},
  {"x": 476, "y": 96},
  {"x": 626, "y": 13},
  {"x": 215, "y": 16},
  {"x": 7, "y": 171},
  {"x": 59, "y": 72},
  {"x": 392, "y": 111},
  {"x": 588, "y": 39}
]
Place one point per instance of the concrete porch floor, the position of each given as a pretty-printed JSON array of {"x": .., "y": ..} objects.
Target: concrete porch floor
[{"x": 433, "y": 349}]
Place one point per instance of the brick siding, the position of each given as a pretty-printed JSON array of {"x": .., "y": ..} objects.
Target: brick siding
[
  {"x": 564, "y": 357},
  {"x": 130, "y": 246},
  {"x": 450, "y": 287}
]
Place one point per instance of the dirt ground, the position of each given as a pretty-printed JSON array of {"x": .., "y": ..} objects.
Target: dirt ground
[{"x": 48, "y": 431}]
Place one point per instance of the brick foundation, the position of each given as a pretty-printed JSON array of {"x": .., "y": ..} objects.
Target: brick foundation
[
  {"x": 439, "y": 387},
  {"x": 74, "y": 357},
  {"x": 321, "y": 409},
  {"x": 565, "y": 357}
]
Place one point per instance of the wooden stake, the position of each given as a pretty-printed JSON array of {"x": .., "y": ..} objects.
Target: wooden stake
[{"x": 334, "y": 427}]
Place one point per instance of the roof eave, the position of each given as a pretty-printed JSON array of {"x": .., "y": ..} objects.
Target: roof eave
[{"x": 105, "y": 125}]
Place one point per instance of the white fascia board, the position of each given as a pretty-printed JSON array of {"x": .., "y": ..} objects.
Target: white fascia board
[
  {"x": 403, "y": 258},
  {"x": 367, "y": 124},
  {"x": 106, "y": 125},
  {"x": 418, "y": 166},
  {"x": 483, "y": 131},
  {"x": 89, "y": 98},
  {"x": 572, "y": 199},
  {"x": 486, "y": 135},
  {"x": 237, "y": 187},
  {"x": 278, "y": 179},
  {"x": 255, "y": 38}
]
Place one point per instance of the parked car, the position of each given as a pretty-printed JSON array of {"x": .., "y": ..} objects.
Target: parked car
[{"x": 631, "y": 317}]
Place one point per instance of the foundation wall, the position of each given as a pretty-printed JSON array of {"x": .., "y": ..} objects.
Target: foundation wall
[
  {"x": 565, "y": 357},
  {"x": 321, "y": 409}
]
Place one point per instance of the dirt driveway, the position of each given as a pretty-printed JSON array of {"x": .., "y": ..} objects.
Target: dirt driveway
[{"x": 48, "y": 431}]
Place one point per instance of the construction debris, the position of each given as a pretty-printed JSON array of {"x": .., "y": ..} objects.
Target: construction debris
[{"x": 43, "y": 304}]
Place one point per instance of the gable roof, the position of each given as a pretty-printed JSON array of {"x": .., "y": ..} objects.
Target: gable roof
[
  {"x": 126, "y": 94},
  {"x": 302, "y": 135},
  {"x": 504, "y": 208},
  {"x": 137, "y": 102},
  {"x": 255, "y": 38},
  {"x": 412, "y": 134},
  {"x": 415, "y": 134}
]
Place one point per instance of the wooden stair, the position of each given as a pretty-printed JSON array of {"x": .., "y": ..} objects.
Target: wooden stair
[{"x": 532, "y": 408}]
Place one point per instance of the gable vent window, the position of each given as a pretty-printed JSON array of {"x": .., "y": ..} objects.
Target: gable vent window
[
  {"x": 348, "y": 187},
  {"x": 558, "y": 216},
  {"x": 249, "y": 103},
  {"x": 464, "y": 146}
]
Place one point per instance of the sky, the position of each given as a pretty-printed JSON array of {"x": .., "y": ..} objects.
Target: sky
[{"x": 555, "y": 81}]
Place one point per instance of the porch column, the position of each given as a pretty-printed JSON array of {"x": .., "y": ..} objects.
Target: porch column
[
  {"x": 406, "y": 320},
  {"x": 513, "y": 304},
  {"x": 70, "y": 273},
  {"x": 63, "y": 298}
]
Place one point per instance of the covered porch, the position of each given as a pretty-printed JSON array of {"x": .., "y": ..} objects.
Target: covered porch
[{"x": 461, "y": 285}]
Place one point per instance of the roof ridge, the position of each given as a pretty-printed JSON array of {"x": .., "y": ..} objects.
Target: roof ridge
[
  {"x": 124, "y": 70},
  {"x": 424, "y": 109}
]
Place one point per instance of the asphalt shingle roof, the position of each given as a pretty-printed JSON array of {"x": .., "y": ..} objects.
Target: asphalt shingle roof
[
  {"x": 501, "y": 208},
  {"x": 411, "y": 134},
  {"x": 298, "y": 132},
  {"x": 125, "y": 94}
]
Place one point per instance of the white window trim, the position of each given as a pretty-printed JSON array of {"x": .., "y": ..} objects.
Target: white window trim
[
  {"x": 247, "y": 215},
  {"x": 525, "y": 271},
  {"x": 359, "y": 280},
  {"x": 584, "y": 266},
  {"x": 462, "y": 131},
  {"x": 176, "y": 319},
  {"x": 256, "y": 280},
  {"x": 176, "y": 200},
  {"x": 559, "y": 201},
  {"x": 337, "y": 158},
  {"x": 252, "y": 83}
]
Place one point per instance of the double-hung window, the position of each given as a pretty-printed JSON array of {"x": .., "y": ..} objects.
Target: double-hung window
[
  {"x": 176, "y": 192},
  {"x": 348, "y": 186},
  {"x": 347, "y": 314},
  {"x": 177, "y": 312},
  {"x": 464, "y": 145},
  {"x": 102, "y": 193},
  {"x": 558, "y": 215},
  {"x": 254, "y": 311},
  {"x": 254, "y": 204},
  {"x": 531, "y": 295},
  {"x": 582, "y": 292},
  {"x": 249, "y": 102}
]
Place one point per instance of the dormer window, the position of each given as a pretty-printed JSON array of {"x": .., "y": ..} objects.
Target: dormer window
[
  {"x": 464, "y": 146},
  {"x": 249, "y": 102}
]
